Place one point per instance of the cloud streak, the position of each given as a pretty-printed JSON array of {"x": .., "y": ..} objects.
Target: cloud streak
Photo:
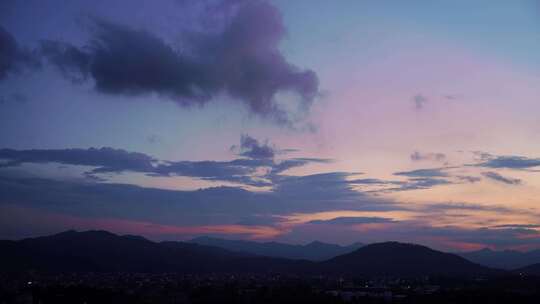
[
  {"x": 434, "y": 172},
  {"x": 418, "y": 156},
  {"x": 509, "y": 162},
  {"x": 499, "y": 178},
  {"x": 353, "y": 221}
]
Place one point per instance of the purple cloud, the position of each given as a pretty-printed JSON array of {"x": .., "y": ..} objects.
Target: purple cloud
[{"x": 241, "y": 58}]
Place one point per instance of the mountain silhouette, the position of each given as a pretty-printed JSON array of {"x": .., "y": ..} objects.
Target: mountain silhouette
[
  {"x": 105, "y": 251},
  {"x": 393, "y": 258},
  {"x": 101, "y": 251},
  {"x": 507, "y": 259},
  {"x": 314, "y": 251}
]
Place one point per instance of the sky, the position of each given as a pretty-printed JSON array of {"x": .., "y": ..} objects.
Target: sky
[{"x": 290, "y": 121}]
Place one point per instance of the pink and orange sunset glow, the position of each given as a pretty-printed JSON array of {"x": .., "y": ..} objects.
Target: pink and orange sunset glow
[{"x": 287, "y": 121}]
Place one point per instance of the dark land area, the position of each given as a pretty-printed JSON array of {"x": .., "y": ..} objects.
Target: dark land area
[{"x": 101, "y": 267}]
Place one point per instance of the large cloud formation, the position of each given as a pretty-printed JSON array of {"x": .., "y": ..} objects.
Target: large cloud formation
[{"x": 240, "y": 58}]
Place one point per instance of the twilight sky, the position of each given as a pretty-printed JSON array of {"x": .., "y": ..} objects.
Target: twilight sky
[{"x": 293, "y": 121}]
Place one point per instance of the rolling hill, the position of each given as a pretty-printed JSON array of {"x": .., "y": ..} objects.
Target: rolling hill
[{"x": 393, "y": 258}]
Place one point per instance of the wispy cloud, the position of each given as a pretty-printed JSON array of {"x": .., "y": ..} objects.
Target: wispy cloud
[
  {"x": 499, "y": 178},
  {"x": 352, "y": 221},
  {"x": 511, "y": 162},
  {"x": 430, "y": 156},
  {"x": 419, "y": 101},
  {"x": 432, "y": 172}
]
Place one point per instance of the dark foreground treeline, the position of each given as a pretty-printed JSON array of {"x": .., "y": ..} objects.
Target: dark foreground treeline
[{"x": 228, "y": 288}]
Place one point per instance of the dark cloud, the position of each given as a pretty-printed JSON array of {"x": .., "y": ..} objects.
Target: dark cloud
[
  {"x": 108, "y": 160},
  {"x": 256, "y": 169},
  {"x": 250, "y": 147},
  {"x": 14, "y": 58},
  {"x": 236, "y": 171},
  {"x": 417, "y": 156},
  {"x": 526, "y": 226},
  {"x": 72, "y": 62},
  {"x": 374, "y": 181},
  {"x": 418, "y": 183},
  {"x": 416, "y": 180},
  {"x": 316, "y": 186},
  {"x": 241, "y": 58},
  {"x": 499, "y": 178},
  {"x": 419, "y": 101},
  {"x": 434, "y": 172},
  {"x": 296, "y": 162},
  {"x": 509, "y": 162},
  {"x": 468, "y": 179},
  {"x": 443, "y": 207},
  {"x": 220, "y": 205},
  {"x": 206, "y": 168},
  {"x": 353, "y": 221},
  {"x": 105, "y": 159},
  {"x": 94, "y": 200},
  {"x": 328, "y": 189}
]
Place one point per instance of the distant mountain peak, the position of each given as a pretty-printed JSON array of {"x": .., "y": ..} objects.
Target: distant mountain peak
[
  {"x": 67, "y": 232},
  {"x": 74, "y": 233},
  {"x": 135, "y": 237},
  {"x": 318, "y": 244},
  {"x": 395, "y": 244}
]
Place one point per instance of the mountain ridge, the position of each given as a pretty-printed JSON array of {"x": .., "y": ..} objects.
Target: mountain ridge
[
  {"x": 313, "y": 251},
  {"x": 505, "y": 259},
  {"x": 102, "y": 251}
]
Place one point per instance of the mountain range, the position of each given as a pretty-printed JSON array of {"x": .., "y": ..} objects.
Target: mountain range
[
  {"x": 507, "y": 259},
  {"x": 101, "y": 251},
  {"x": 314, "y": 251}
]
